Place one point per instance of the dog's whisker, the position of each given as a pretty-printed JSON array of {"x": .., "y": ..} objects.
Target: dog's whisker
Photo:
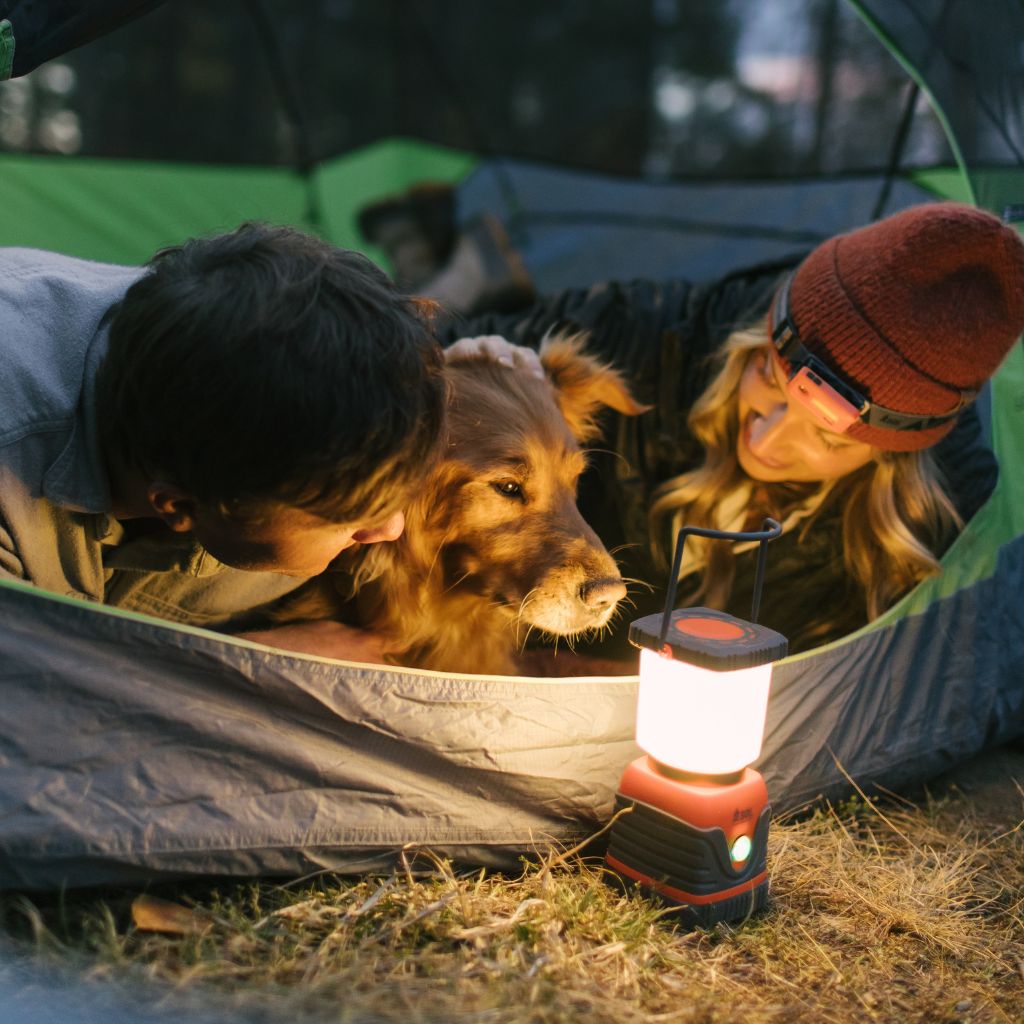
[
  {"x": 520, "y": 613},
  {"x": 526, "y": 639},
  {"x": 440, "y": 548},
  {"x": 452, "y": 586},
  {"x": 525, "y": 602},
  {"x": 639, "y": 582},
  {"x": 518, "y": 625},
  {"x": 606, "y": 451},
  {"x": 623, "y": 547}
]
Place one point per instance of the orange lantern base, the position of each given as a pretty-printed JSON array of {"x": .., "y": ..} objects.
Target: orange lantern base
[{"x": 699, "y": 843}]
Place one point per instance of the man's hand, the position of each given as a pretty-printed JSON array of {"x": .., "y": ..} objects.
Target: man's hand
[
  {"x": 325, "y": 639},
  {"x": 501, "y": 350}
]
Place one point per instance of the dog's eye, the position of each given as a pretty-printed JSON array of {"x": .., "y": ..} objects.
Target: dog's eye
[{"x": 508, "y": 489}]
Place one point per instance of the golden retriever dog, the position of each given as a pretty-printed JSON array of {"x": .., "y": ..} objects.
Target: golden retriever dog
[{"x": 494, "y": 546}]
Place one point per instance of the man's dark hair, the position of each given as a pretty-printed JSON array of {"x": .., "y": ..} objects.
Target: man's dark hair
[{"x": 266, "y": 366}]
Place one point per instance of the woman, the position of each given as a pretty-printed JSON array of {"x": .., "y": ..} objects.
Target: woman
[{"x": 836, "y": 397}]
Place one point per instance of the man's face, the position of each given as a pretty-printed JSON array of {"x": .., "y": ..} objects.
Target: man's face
[{"x": 287, "y": 540}]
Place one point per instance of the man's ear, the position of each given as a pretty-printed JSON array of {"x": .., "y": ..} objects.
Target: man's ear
[
  {"x": 584, "y": 385},
  {"x": 173, "y": 505}
]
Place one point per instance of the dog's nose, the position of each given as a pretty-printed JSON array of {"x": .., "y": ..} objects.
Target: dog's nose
[{"x": 600, "y": 594}]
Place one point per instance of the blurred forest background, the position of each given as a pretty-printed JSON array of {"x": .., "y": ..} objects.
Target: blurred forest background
[{"x": 661, "y": 89}]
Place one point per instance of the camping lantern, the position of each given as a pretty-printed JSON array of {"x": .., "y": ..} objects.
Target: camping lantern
[{"x": 697, "y": 831}]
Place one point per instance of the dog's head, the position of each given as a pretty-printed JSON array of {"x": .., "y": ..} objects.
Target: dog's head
[{"x": 499, "y": 515}]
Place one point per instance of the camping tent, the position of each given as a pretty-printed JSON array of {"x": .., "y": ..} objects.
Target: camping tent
[{"x": 134, "y": 749}]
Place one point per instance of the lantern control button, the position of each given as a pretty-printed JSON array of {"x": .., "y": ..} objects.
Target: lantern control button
[{"x": 710, "y": 629}]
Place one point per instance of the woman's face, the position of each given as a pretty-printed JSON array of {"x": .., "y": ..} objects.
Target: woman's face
[{"x": 780, "y": 440}]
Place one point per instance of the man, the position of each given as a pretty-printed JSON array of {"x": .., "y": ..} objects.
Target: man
[{"x": 195, "y": 438}]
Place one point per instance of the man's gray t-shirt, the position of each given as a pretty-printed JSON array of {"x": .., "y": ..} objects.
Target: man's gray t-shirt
[{"x": 55, "y": 528}]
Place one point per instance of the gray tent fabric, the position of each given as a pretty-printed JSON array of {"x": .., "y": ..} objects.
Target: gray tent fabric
[
  {"x": 897, "y": 706},
  {"x": 573, "y": 228},
  {"x": 132, "y": 750}
]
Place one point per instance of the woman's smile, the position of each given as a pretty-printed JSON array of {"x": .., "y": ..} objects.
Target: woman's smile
[{"x": 750, "y": 422}]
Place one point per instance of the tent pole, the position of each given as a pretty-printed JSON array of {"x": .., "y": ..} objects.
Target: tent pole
[
  {"x": 475, "y": 132},
  {"x": 896, "y": 154},
  {"x": 918, "y": 75},
  {"x": 288, "y": 97}
]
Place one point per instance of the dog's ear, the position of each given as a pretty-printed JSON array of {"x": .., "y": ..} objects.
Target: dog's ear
[{"x": 584, "y": 385}]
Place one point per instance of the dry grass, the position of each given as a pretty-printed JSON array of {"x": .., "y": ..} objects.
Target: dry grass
[{"x": 890, "y": 912}]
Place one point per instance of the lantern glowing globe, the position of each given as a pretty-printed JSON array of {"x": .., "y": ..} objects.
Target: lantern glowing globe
[
  {"x": 694, "y": 831},
  {"x": 697, "y": 720}
]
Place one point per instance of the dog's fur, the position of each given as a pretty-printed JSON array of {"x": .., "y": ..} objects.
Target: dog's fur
[{"x": 494, "y": 545}]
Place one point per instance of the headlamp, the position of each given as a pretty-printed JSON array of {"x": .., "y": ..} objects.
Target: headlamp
[{"x": 833, "y": 402}]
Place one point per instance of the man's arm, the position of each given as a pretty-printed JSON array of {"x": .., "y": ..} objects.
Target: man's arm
[
  {"x": 10, "y": 563},
  {"x": 323, "y": 639}
]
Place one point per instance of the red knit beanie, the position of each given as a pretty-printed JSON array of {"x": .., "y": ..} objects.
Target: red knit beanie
[{"x": 913, "y": 310}]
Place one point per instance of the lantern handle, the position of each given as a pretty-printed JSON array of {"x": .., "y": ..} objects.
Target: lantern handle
[{"x": 770, "y": 529}]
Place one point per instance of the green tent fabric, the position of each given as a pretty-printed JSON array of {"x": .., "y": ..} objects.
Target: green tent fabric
[
  {"x": 132, "y": 749},
  {"x": 122, "y": 211}
]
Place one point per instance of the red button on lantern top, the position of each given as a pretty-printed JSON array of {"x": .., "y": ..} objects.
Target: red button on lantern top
[{"x": 709, "y": 628}]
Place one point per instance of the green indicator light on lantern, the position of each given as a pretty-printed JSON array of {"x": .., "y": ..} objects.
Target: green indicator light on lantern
[{"x": 741, "y": 849}]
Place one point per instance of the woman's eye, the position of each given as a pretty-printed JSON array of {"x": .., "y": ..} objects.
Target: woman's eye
[
  {"x": 508, "y": 489},
  {"x": 768, "y": 371}
]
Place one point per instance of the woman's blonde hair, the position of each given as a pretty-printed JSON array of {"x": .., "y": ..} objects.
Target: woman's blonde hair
[{"x": 895, "y": 510}]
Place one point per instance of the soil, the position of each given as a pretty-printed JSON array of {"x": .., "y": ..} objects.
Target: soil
[{"x": 991, "y": 785}]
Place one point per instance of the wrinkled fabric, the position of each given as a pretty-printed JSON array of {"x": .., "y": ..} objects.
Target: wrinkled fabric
[
  {"x": 133, "y": 751},
  {"x": 130, "y": 749}
]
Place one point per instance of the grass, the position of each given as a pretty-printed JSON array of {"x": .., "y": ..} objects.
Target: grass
[{"x": 880, "y": 912}]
